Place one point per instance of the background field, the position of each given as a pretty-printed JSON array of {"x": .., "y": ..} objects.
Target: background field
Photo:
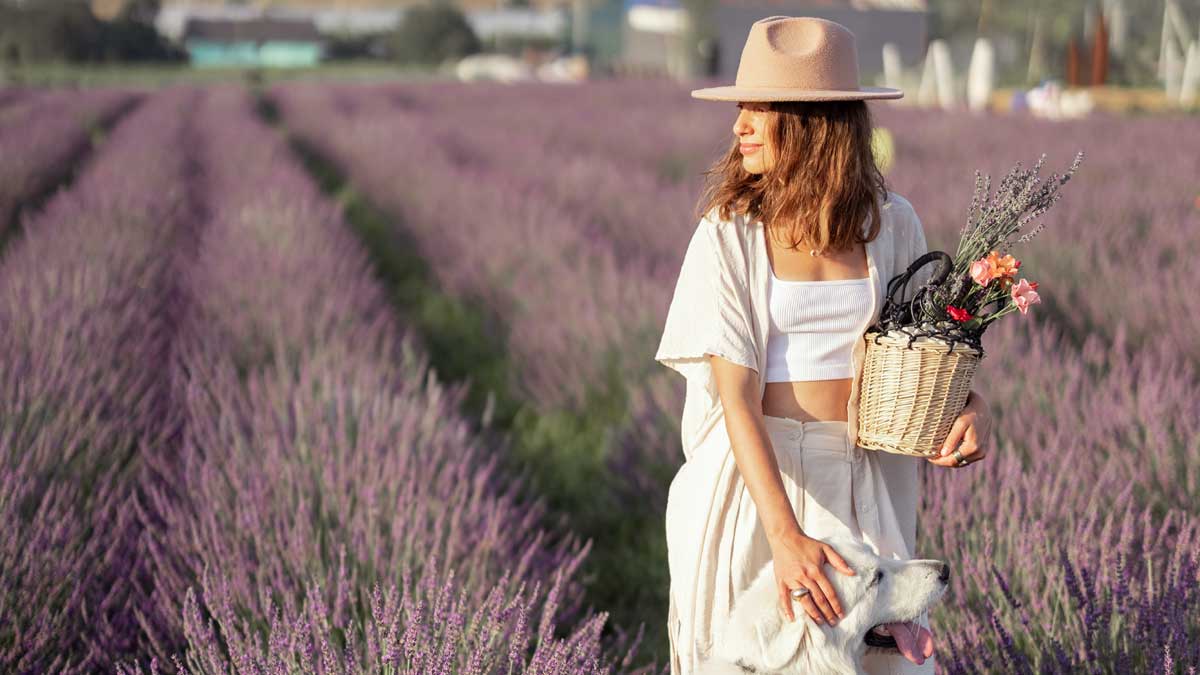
[{"x": 331, "y": 376}]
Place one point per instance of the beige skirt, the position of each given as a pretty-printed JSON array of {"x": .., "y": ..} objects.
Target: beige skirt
[{"x": 833, "y": 486}]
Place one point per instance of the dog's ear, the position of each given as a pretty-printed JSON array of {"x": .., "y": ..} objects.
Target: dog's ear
[{"x": 780, "y": 647}]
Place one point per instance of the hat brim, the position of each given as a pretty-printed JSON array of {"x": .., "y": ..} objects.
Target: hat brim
[{"x": 736, "y": 93}]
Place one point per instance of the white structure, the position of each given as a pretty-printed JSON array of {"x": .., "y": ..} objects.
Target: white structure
[
  {"x": 1191, "y": 76},
  {"x": 497, "y": 67},
  {"x": 657, "y": 19},
  {"x": 1116, "y": 22},
  {"x": 525, "y": 21},
  {"x": 893, "y": 67},
  {"x": 1174, "y": 33},
  {"x": 937, "y": 77},
  {"x": 1050, "y": 101},
  {"x": 1172, "y": 70},
  {"x": 981, "y": 75}
]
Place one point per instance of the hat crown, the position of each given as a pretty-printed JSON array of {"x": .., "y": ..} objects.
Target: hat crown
[{"x": 802, "y": 52}]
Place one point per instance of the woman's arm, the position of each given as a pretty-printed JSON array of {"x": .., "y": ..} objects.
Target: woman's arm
[
  {"x": 737, "y": 386},
  {"x": 799, "y": 559}
]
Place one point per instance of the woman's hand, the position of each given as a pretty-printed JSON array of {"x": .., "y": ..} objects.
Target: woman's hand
[
  {"x": 800, "y": 563},
  {"x": 967, "y": 435}
]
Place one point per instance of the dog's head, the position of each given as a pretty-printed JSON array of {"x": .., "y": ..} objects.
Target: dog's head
[{"x": 760, "y": 639}]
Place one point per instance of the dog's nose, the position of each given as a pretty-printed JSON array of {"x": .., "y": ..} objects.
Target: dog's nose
[{"x": 944, "y": 575}]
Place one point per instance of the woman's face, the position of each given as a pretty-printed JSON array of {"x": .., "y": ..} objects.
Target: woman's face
[{"x": 751, "y": 129}]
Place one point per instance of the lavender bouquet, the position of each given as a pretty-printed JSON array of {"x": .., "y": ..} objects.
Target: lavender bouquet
[
  {"x": 978, "y": 285},
  {"x": 912, "y": 393}
]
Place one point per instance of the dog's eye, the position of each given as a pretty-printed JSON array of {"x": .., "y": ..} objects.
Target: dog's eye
[{"x": 878, "y": 577}]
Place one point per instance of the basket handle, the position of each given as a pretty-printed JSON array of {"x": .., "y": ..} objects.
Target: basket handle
[{"x": 901, "y": 312}]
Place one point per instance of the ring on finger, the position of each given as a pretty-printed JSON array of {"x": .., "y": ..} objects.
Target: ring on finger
[
  {"x": 798, "y": 593},
  {"x": 962, "y": 459}
]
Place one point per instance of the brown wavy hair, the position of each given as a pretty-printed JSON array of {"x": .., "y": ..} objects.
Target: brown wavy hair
[{"x": 824, "y": 182}]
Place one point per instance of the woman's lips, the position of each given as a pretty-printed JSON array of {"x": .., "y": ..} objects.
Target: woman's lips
[{"x": 748, "y": 148}]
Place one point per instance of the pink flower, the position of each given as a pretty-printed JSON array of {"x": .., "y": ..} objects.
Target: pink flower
[
  {"x": 1025, "y": 294},
  {"x": 993, "y": 266},
  {"x": 981, "y": 271},
  {"x": 958, "y": 314}
]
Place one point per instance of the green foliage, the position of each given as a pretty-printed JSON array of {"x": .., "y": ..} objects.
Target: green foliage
[
  {"x": 67, "y": 31},
  {"x": 431, "y": 34},
  {"x": 354, "y": 46}
]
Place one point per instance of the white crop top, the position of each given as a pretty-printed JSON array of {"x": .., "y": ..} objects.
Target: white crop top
[{"x": 813, "y": 327}]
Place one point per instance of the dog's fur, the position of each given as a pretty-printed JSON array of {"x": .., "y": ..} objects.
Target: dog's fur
[{"x": 759, "y": 639}]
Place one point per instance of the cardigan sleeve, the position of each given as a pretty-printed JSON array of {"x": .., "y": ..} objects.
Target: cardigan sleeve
[
  {"x": 709, "y": 314},
  {"x": 709, "y": 311}
]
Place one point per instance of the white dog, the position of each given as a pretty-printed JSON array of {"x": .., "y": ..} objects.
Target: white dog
[{"x": 759, "y": 639}]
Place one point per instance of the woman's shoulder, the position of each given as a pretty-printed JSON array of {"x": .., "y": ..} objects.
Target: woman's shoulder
[
  {"x": 896, "y": 206},
  {"x": 723, "y": 232},
  {"x": 714, "y": 221},
  {"x": 899, "y": 217}
]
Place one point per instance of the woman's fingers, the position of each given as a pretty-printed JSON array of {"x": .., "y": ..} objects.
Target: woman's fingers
[
  {"x": 828, "y": 601},
  {"x": 837, "y": 561},
  {"x": 969, "y": 448},
  {"x": 971, "y": 445},
  {"x": 785, "y": 601},
  {"x": 810, "y": 607},
  {"x": 956, "y": 434}
]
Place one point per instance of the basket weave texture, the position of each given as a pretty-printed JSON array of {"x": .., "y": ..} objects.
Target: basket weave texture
[{"x": 911, "y": 395}]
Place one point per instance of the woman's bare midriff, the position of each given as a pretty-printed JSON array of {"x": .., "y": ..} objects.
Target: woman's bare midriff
[{"x": 816, "y": 400}]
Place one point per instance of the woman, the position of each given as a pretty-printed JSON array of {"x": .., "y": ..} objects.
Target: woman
[{"x": 783, "y": 275}]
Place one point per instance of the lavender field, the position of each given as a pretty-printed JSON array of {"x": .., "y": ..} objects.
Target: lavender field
[{"x": 341, "y": 378}]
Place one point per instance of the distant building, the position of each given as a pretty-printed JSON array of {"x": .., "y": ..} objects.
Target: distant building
[
  {"x": 173, "y": 17},
  {"x": 263, "y": 41},
  {"x": 488, "y": 22},
  {"x": 653, "y": 29},
  {"x": 358, "y": 17}
]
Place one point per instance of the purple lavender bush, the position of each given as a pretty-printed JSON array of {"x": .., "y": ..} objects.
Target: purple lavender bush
[
  {"x": 42, "y": 135},
  {"x": 82, "y": 351},
  {"x": 1114, "y": 249},
  {"x": 563, "y": 291},
  {"x": 327, "y": 503},
  {"x": 221, "y": 450},
  {"x": 1079, "y": 545},
  {"x": 1098, "y": 388}
]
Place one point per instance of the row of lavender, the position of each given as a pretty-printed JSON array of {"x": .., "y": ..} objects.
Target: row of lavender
[
  {"x": 43, "y": 133},
  {"x": 1114, "y": 251},
  {"x": 499, "y": 216},
  {"x": 267, "y": 475},
  {"x": 321, "y": 459},
  {"x": 84, "y": 343},
  {"x": 1127, "y": 235}
]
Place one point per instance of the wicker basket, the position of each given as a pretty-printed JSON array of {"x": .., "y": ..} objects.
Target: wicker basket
[{"x": 910, "y": 396}]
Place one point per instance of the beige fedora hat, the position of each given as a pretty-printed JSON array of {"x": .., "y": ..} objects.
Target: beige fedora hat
[{"x": 797, "y": 58}]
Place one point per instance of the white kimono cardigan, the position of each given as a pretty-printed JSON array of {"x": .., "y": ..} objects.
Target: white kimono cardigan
[{"x": 720, "y": 307}]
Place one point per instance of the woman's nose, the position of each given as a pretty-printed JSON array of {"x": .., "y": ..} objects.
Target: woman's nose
[{"x": 741, "y": 126}]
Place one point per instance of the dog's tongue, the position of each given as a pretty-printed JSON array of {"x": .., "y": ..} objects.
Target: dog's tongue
[{"x": 905, "y": 635}]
